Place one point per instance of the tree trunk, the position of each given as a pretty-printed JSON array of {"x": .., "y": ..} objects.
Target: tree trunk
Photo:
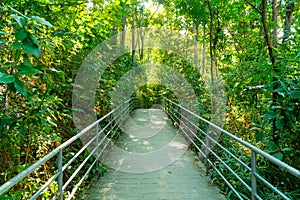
[
  {"x": 288, "y": 21},
  {"x": 141, "y": 49},
  {"x": 123, "y": 35},
  {"x": 275, "y": 96},
  {"x": 265, "y": 26},
  {"x": 133, "y": 36},
  {"x": 204, "y": 49},
  {"x": 186, "y": 45},
  {"x": 275, "y": 23},
  {"x": 211, "y": 26},
  {"x": 114, "y": 41},
  {"x": 196, "y": 50}
]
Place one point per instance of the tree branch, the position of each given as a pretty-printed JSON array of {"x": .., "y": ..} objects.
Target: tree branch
[
  {"x": 63, "y": 4},
  {"x": 253, "y": 6}
]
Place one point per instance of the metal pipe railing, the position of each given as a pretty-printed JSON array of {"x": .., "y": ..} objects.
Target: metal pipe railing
[
  {"x": 175, "y": 111},
  {"x": 114, "y": 124}
]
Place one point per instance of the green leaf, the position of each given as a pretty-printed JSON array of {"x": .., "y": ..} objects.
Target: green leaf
[
  {"x": 254, "y": 128},
  {"x": 26, "y": 60},
  {"x": 20, "y": 20},
  {"x": 3, "y": 33},
  {"x": 33, "y": 40},
  {"x": 31, "y": 45},
  {"x": 16, "y": 46},
  {"x": 32, "y": 50},
  {"x": 16, "y": 56},
  {"x": 54, "y": 70},
  {"x": 279, "y": 123},
  {"x": 280, "y": 91},
  {"x": 295, "y": 94},
  {"x": 28, "y": 48},
  {"x": 298, "y": 55},
  {"x": 265, "y": 123},
  {"x": 269, "y": 114},
  {"x": 278, "y": 155},
  {"x": 4, "y": 120},
  {"x": 2, "y": 43},
  {"x": 22, "y": 129},
  {"x": 37, "y": 51},
  {"x": 19, "y": 85},
  {"x": 259, "y": 136},
  {"x": 287, "y": 149},
  {"x": 60, "y": 73},
  {"x": 20, "y": 34},
  {"x": 284, "y": 86},
  {"x": 25, "y": 70},
  {"x": 41, "y": 21},
  {"x": 6, "y": 78}
]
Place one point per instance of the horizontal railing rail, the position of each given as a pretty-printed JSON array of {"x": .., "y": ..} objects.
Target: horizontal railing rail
[
  {"x": 101, "y": 139},
  {"x": 190, "y": 129}
]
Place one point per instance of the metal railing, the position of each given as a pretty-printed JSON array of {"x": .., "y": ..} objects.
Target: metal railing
[
  {"x": 193, "y": 133},
  {"x": 99, "y": 141}
]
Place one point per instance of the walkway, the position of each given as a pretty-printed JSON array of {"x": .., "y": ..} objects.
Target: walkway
[{"x": 183, "y": 179}]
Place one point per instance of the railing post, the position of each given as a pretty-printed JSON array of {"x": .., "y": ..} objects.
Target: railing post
[
  {"x": 206, "y": 149},
  {"x": 110, "y": 122},
  {"x": 60, "y": 177},
  {"x": 173, "y": 111},
  {"x": 189, "y": 121},
  {"x": 179, "y": 116},
  {"x": 253, "y": 177},
  {"x": 97, "y": 141},
  {"x": 168, "y": 107}
]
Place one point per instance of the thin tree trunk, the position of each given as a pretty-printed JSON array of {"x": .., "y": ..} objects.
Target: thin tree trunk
[
  {"x": 114, "y": 42},
  {"x": 196, "y": 50},
  {"x": 204, "y": 49},
  {"x": 186, "y": 45},
  {"x": 265, "y": 26},
  {"x": 123, "y": 35},
  {"x": 275, "y": 23},
  {"x": 141, "y": 50},
  {"x": 288, "y": 21},
  {"x": 211, "y": 26},
  {"x": 133, "y": 37},
  {"x": 275, "y": 97}
]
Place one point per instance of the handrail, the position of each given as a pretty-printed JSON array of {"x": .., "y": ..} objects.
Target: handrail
[
  {"x": 120, "y": 111},
  {"x": 185, "y": 126}
]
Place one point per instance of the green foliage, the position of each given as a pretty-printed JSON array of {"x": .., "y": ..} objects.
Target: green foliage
[
  {"x": 151, "y": 94},
  {"x": 42, "y": 45},
  {"x": 38, "y": 63}
]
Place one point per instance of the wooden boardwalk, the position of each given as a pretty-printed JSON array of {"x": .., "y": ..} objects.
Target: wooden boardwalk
[{"x": 182, "y": 179}]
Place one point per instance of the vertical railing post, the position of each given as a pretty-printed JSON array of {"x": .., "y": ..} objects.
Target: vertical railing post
[
  {"x": 179, "y": 116},
  {"x": 110, "y": 122},
  {"x": 131, "y": 106},
  {"x": 97, "y": 141},
  {"x": 60, "y": 177},
  {"x": 207, "y": 149},
  {"x": 253, "y": 177},
  {"x": 173, "y": 111},
  {"x": 168, "y": 107},
  {"x": 189, "y": 121}
]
